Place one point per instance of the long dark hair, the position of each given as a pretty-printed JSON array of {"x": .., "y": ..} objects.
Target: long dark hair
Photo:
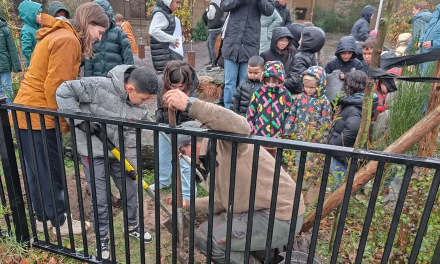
[{"x": 177, "y": 72}]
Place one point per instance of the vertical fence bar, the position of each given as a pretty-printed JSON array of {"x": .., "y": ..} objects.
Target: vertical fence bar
[
  {"x": 93, "y": 189},
  {"x": 25, "y": 180},
  {"x": 297, "y": 199},
  {"x": 425, "y": 217},
  {"x": 51, "y": 182},
  {"x": 64, "y": 182},
  {"x": 12, "y": 178},
  {"x": 319, "y": 206},
  {"x": 212, "y": 166},
  {"x": 124, "y": 193},
  {"x": 370, "y": 212},
  {"x": 157, "y": 194},
  {"x": 231, "y": 201},
  {"x": 109, "y": 193},
  {"x": 436, "y": 256},
  {"x": 37, "y": 176},
  {"x": 344, "y": 210},
  {"x": 140, "y": 193},
  {"x": 256, "y": 158},
  {"x": 6, "y": 216},
  {"x": 174, "y": 195},
  {"x": 273, "y": 203},
  {"x": 192, "y": 199},
  {"x": 78, "y": 185},
  {"x": 397, "y": 214}
]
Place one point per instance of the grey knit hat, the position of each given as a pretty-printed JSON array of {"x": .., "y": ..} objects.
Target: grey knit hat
[{"x": 56, "y": 6}]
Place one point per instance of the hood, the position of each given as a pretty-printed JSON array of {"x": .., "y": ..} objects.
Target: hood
[
  {"x": 312, "y": 39},
  {"x": 273, "y": 69},
  {"x": 367, "y": 12},
  {"x": 278, "y": 6},
  {"x": 279, "y": 32},
  {"x": 318, "y": 73},
  {"x": 403, "y": 39},
  {"x": 356, "y": 100},
  {"x": 217, "y": 2},
  {"x": 167, "y": 3},
  {"x": 3, "y": 22},
  {"x": 346, "y": 43},
  {"x": 117, "y": 74},
  {"x": 423, "y": 14},
  {"x": 108, "y": 10},
  {"x": 56, "y": 6},
  {"x": 359, "y": 52},
  {"x": 28, "y": 11},
  {"x": 296, "y": 29},
  {"x": 50, "y": 24}
]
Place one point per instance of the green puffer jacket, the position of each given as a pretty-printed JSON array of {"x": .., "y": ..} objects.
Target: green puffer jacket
[
  {"x": 8, "y": 51},
  {"x": 28, "y": 11},
  {"x": 113, "y": 49}
]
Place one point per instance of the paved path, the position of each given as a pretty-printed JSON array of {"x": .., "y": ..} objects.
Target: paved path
[{"x": 202, "y": 52}]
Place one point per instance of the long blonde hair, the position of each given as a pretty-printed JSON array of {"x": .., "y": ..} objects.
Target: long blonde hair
[{"x": 89, "y": 13}]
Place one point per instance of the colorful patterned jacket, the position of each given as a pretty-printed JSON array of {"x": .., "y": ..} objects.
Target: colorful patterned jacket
[
  {"x": 269, "y": 106},
  {"x": 310, "y": 115}
]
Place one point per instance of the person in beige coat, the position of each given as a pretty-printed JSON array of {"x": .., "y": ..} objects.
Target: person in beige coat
[{"x": 221, "y": 119}]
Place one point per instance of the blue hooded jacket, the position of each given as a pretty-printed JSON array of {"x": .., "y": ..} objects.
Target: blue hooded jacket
[
  {"x": 28, "y": 11},
  {"x": 432, "y": 31},
  {"x": 361, "y": 29}
]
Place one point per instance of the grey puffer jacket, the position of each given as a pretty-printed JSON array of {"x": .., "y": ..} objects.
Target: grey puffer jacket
[
  {"x": 104, "y": 96},
  {"x": 113, "y": 49},
  {"x": 242, "y": 34},
  {"x": 361, "y": 29},
  {"x": 312, "y": 41},
  {"x": 268, "y": 24}
]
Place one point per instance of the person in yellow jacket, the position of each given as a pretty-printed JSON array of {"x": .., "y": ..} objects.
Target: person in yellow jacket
[
  {"x": 56, "y": 59},
  {"x": 126, "y": 26}
]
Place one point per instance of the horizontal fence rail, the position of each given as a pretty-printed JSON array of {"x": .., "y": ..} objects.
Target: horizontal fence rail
[{"x": 23, "y": 199}]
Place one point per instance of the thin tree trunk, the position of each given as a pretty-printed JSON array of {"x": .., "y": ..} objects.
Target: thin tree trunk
[
  {"x": 426, "y": 148},
  {"x": 365, "y": 174}
]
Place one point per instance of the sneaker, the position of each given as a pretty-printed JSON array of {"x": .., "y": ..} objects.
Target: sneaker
[
  {"x": 105, "y": 252},
  {"x": 76, "y": 228},
  {"x": 40, "y": 226},
  {"x": 136, "y": 232},
  {"x": 152, "y": 187},
  {"x": 212, "y": 68}
]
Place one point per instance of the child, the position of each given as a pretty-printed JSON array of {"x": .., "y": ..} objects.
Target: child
[
  {"x": 360, "y": 56},
  {"x": 367, "y": 49},
  {"x": 30, "y": 13},
  {"x": 126, "y": 26},
  {"x": 310, "y": 109},
  {"x": 270, "y": 104},
  {"x": 361, "y": 29},
  {"x": 345, "y": 129},
  {"x": 281, "y": 47},
  {"x": 215, "y": 24},
  {"x": 244, "y": 92},
  {"x": 161, "y": 31},
  {"x": 9, "y": 58},
  {"x": 122, "y": 94},
  {"x": 176, "y": 75},
  {"x": 345, "y": 57},
  {"x": 58, "y": 9},
  {"x": 112, "y": 50},
  {"x": 312, "y": 40}
]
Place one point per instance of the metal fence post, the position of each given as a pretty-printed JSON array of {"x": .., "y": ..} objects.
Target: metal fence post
[{"x": 12, "y": 178}]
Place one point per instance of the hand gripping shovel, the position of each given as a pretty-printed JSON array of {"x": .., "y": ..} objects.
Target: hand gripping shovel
[{"x": 112, "y": 148}]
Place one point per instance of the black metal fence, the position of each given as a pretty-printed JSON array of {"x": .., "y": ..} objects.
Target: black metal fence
[{"x": 22, "y": 213}]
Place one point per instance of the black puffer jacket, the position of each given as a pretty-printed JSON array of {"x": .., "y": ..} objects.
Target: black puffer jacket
[
  {"x": 284, "y": 13},
  {"x": 312, "y": 41},
  {"x": 361, "y": 29},
  {"x": 242, "y": 96},
  {"x": 345, "y": 130},
  {"x": 346, "y": 43},
  {"x": 162, "y": 112},
  {"x": 242, "y": 36},
  {"x": 273, "y": 54},
  {"x": 113, "y": 49}
]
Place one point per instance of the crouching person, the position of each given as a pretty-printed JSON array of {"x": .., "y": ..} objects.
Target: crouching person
[
  {"x": 123, "y": 94},
  {"x": 221, "y": 119}
]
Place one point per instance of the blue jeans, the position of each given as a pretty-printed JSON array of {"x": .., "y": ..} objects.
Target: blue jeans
[
  {"x": 6, "y": 85},
  {"x": 231, "y": 72},
  {"x": 165, "y": 170},
  {"x": 338, "y": 169}
]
